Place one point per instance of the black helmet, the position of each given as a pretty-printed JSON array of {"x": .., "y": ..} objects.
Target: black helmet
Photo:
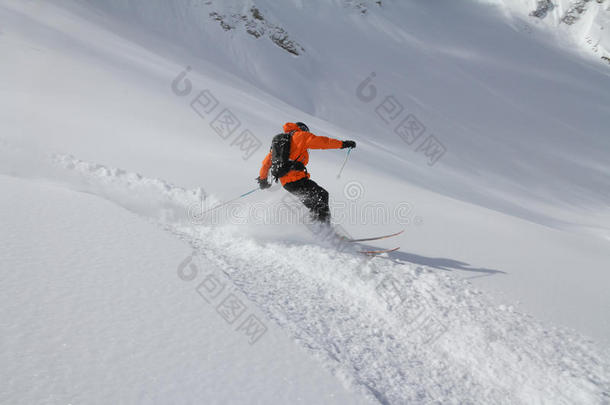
[{"x": 302, "y": 126}]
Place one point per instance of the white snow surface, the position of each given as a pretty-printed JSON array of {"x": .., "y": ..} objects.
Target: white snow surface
[
  {"x": 89, "y": 316},
  {"x": 498, "y": 294},
  {"x": 581, "y": 23}
]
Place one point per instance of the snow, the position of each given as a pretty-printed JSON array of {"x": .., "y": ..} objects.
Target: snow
[
  {"x": 93, "y": 311},
  {"x": 498, "y": 295},
  {"x": 582, "y": 22},
  {"x": 389, "y": 330}
]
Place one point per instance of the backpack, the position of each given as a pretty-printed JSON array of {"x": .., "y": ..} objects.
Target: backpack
[{"x": 280, "y": 156}]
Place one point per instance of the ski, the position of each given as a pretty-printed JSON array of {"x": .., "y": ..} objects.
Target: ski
[
  {"x": 374, "y": 238},
  {"x": 377, "y": 252}
]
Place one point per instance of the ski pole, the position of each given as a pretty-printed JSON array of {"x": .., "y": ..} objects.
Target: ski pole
[
  {"x": 344, "y": 162},
  {"x": 230, "y": 201}
]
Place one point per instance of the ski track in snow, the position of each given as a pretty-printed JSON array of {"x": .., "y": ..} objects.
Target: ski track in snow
[{"x": 397, "y": 332}]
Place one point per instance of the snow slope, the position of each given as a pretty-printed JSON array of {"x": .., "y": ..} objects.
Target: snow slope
[
  {"x": 518, "y": 204},
  {"x": 481, "y": 85},
  {"x": 94, "y": 312},
  {"x": 583, "y": 23},
  {"x": 392, "y": 331}
]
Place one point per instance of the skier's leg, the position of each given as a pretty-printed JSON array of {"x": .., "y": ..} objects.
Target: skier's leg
[
  {"x": 314, "y": 197},
  {"x": 318, "y": 197}
]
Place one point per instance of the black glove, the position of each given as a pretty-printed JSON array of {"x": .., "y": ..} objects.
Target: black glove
[
  {"x": 263, "y": 183},
  {"x": 348, "y": 144}
]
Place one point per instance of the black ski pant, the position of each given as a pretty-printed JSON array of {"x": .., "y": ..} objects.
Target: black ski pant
[{"x": 313, "y": 197}]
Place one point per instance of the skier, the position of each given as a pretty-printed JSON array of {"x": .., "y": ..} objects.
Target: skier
[{"x": 287, "y": 159}]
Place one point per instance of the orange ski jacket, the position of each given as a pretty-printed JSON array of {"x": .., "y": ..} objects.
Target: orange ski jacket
[{"x": 301, "y": 141}]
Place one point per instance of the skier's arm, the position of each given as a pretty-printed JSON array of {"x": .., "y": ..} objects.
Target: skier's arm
[
  {"x": 265, "y": 167},
  {"x": 322, "y": 142}
]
